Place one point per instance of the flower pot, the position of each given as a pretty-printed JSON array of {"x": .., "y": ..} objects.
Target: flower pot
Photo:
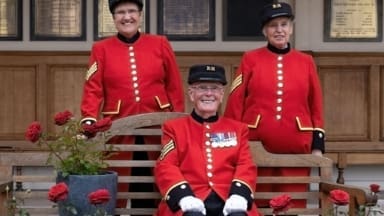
[{"x": 80, "y": 186}]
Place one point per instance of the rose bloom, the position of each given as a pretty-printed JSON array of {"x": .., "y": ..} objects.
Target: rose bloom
[
  {"x": 63, "y": 117},
  {"x": 58, "y": 192},
  {"x": 375, "y": 188},
  {"x": 99, "y": 197},
  {"x": 280, "y": 203},
  {"x": 339, "y": 197},
  {"x": 33, "y": 132}
]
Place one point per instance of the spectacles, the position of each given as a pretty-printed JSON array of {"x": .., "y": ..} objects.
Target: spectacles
[
  {"x": 207, "y": 88},
  {"x": 129, "y": 12}
]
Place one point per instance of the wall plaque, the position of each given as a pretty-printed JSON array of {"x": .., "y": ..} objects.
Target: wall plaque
[
  {"x": 353, "y": 20},
  {"x": 191, "y": 20},
  {"x": 241, "y": 20},
  {"x": 58, "y": 19},
  {"x": 11, "y": 19}
]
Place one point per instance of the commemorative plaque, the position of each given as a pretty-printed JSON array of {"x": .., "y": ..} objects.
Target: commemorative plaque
[
  {"x": 10, "y": 19},
  {"x": 354, "y": 19},
  {"x": 58, "y": 19}
]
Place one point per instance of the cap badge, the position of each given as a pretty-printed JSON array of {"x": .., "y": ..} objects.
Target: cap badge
[
  {"x": 276, "y": 6},
  {"x": 211, "y": 68}
]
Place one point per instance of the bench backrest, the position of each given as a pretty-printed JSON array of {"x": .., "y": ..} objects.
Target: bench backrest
[{"x": 12, "y": 167}]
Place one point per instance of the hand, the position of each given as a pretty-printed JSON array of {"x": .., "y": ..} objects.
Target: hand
[
  {"x": 235, "y": 203},
  {"x": 85, "y": 132},
  {"x": 192, "y": 204},
  {"x": 317, "y": 152}
]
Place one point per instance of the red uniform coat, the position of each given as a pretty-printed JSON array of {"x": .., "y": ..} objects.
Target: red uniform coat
[
  {"x": 200, "y": 157},
  {"x": 127, "y": 79},
  {"x": 279, "y": 97}
]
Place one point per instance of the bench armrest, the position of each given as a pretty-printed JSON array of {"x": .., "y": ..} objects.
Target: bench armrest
[{"x": 358, "y": 196}]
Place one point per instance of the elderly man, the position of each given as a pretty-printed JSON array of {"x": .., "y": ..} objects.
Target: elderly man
[{"x": 205, "y": 166}]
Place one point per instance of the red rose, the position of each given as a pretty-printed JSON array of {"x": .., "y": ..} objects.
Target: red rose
[
  {"x": 375, "y": 188},
  {"x": 280, "y": 203},
  {"x": 58, "y": 192},
  {"x": 99, "y": 197},
  {"x": 63, "y": 117},
  {"x": 339, "y": 197},
  {"x": 33, "y": 132}
]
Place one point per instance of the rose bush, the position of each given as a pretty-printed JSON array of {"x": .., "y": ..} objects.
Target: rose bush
[
  {"x": 70, "y": 151},
  {"x": 280, "y": 203}
]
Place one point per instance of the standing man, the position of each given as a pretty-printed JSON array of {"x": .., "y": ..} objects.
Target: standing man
[{"x": 205, "y": 166}]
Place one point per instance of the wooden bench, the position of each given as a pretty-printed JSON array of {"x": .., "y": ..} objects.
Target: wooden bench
[{"x": 13, "y": 164}]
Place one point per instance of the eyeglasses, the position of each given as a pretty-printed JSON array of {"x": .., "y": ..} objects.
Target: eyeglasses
[
  {"x": 129, "y": 12},
  {"x": 207, "y": 88}
]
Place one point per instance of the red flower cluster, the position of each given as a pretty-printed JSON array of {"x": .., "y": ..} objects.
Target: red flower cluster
[
  {"x": 58, "y": 192},
  {"x": 33, "y": 132},
  {"x": 280, "y": 203},
  {"x": 100, "y": 196},
  {"x": 339, "y": 197},
  {"x": 375, "y": 188},
  {"x": 62, "y": 118}
]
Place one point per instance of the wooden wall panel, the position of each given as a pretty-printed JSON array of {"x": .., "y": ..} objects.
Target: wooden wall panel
[
  {"x": 346, "y": 93},
  {"x": 381, "y": 97},
  {"x": 18, "y": 96},
  {"x": 64, "y": 89},
  {"x": 36, "y": 85}
]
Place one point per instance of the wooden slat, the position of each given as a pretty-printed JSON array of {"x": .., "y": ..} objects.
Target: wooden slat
[{"x": 288, "y": 180}]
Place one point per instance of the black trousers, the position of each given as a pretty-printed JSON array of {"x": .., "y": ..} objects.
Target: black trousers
[{"x": 141, "y": 171}]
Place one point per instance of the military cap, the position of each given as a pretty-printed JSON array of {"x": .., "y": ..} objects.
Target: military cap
[
  {"x": 114, "y": 3},
  {"x": 207, "y": 73},
  {"x": 275, "y": 10}
]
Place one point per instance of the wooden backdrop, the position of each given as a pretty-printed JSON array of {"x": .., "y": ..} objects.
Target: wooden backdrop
[{"x": 36, "y": 85}]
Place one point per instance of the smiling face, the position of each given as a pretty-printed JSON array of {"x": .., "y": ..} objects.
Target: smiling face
[
  {"x": 206, "y": 97},
  {"x": 278, "y": 31},
  {"x": 127, "y": 19}
]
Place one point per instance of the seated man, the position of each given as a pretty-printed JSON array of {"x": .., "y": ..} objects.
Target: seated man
[{"x": 205, "y": 166}]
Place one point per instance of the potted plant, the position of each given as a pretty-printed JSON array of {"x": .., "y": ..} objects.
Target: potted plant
[{"x": 78, "y": 160}]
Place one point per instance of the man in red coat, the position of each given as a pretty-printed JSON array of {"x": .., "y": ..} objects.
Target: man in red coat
[
  {"x": 129, "y": 74},
  {"x": 276, "y": 91},
  {"x": 205, "y": 166}
]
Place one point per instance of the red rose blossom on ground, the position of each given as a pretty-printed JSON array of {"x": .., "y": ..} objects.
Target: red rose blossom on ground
[
  {"x": 339, "y": 197},
  {"x": 63, "y": 117},
  {"x": 280, "y": 203},
  {"x": 100, "y": 196},
  {"x": 33, "y": 132},
  {"x": 375, "y": 188},
  {"x": 58, "y": 192}
]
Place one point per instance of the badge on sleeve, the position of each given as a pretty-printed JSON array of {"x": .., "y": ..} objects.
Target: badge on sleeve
[
  {"x": 166, "y": 149},
  {"x": 91, "y": 70}
]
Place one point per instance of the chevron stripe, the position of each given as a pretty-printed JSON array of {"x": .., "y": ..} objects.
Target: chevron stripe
[
  {"x": 166, "y": 149},
  {"x": 91, "y": 71}
]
